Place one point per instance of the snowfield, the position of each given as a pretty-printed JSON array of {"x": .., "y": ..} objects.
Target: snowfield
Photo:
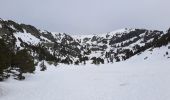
[
  {"x": 119, "y": 81},
  {"x": 134, "y": 79}
]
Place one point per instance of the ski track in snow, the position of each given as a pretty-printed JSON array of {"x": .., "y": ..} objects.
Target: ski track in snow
[{"x": 105, "y": 82}]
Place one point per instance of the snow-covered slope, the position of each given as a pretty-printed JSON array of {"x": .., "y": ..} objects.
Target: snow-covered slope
[
  {"x": 111, "y": 47},
  {"x": 127, "y": 64},
  {"x": 27, "y": 38},
  {"x": 108, "y": 47},
  {"x": 129, "y": 80},
  {"x": 153, "y": 55}
]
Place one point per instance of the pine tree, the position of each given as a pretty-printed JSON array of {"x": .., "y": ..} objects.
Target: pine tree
[
  {"x": 5, "y": 59},
  {"x": 43, "y": 66},
  {"x": 24, "y": 61}
]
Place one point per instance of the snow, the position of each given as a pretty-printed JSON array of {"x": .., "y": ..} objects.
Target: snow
[
  {"x": 43, "y": 31},
  {"x": 82, "y": 36},
  {"x": 134, "y": 79},
  {"x": 12, "y": 27},
  {"x": 58, "y": 36},
  {"x": 103, "y": 34},
  {"x": 142, "y": 77},
  {"x": 0, "y": 26},
  {"x": 156, "y": 54},
  {"x": 26, "y": 37},
  {"x": 44, "y": 38}
]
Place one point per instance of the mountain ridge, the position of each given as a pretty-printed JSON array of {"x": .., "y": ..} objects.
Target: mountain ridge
[{"x": 40, "y": 45}]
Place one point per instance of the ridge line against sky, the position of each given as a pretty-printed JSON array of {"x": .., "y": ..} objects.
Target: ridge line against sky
[{"x": 88, "y": 16}]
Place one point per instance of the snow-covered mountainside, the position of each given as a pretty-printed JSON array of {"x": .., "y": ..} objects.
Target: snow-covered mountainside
[
  {"x": 33, "y": 46},
  {"x": 127, "y": 64}
]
